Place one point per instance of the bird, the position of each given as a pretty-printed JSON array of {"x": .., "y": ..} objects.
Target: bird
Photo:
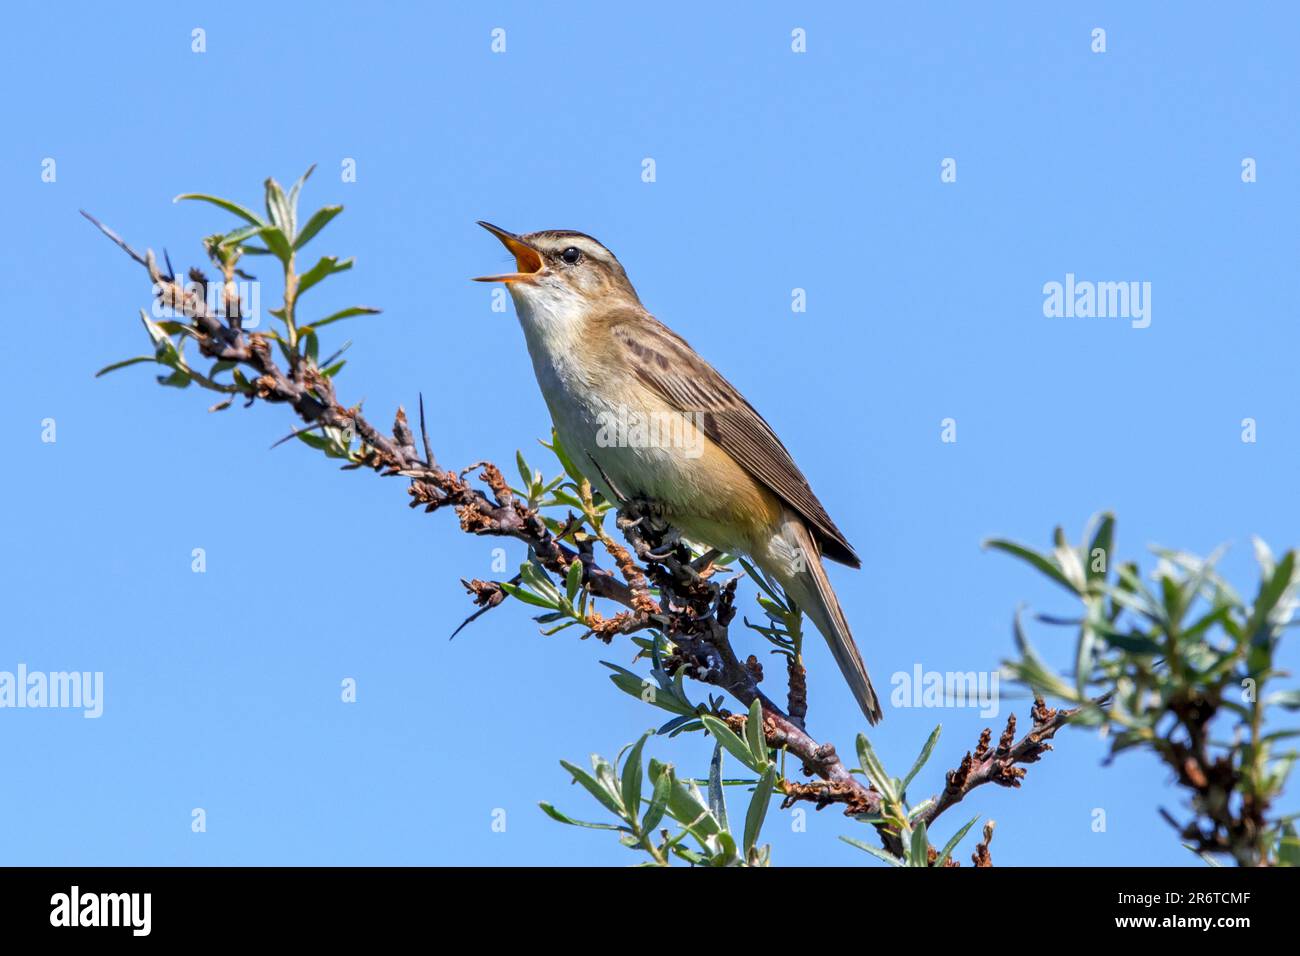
[{"x": 644, "y": 417}]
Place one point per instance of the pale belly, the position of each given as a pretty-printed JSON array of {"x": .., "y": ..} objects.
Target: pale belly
[
  {"x": 630, "y": 446},
  {"x": 663, "y": 455}
]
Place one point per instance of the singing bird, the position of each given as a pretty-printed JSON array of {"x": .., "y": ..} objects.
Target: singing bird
[{"x": 601, "y": 358}]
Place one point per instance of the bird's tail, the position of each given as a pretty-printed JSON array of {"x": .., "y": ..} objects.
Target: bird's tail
[{"x": 809, "y": 587}]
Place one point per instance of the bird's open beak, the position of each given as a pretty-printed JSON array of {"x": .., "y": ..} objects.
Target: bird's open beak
[{"x": 527, "y": 259}]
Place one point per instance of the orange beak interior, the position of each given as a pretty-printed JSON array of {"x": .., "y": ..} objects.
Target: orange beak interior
[{"x": 527, "y": 259}]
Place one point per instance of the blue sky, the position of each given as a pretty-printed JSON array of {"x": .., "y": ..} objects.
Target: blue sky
[{"x": 775, "y": 171}]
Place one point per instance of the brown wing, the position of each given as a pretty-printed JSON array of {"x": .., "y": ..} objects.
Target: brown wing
[{"x": 665, "y": 362}]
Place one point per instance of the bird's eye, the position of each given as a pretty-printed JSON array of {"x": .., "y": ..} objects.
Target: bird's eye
[{"x": 571, "y": 255}]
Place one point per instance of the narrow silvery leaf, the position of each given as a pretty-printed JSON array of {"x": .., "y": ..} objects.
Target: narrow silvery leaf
[
  {"x": 1263, "y": 554},
  {"x": 344, "y": 314},
  {"x": 952, "y": 844},
  {"x": 123, "y": 364},
  {"x": 594, "y": 787},
  {"x": 297, "y": 188},
  {"x": 726, "y": 847},
  {"x": 277, "y": 208},
  {"x": 1083, "y": 659},
  {"x": 922, "y": 757},
  {"x": 734, "y": 745},
  {"x": 919, "y": 849},
  {"x": 758, "y": 808},
  {"x": 754, "y": 734},
  {"x": 875, "y": 770},
  {"x": 318, "y": 221},
  {"x": 276, "y": 241},
  {"x": 555, "y": 814},
  {"x": 875, "y": 851},
  {"x": 325, "y": 267},
  {"x": 1068, "y": 560},
  {"x": 1099, "y": 551},
  {"x": 717, "y": 797},
  {"x": 1039, "y": 561},
  {"x": 528, "y": 597},
  {"x": 225, "y": 204},
  {"x": 573, "y": 580},
  {"x": 658, "y": 803},
  {"x": 632, "y": 778}
]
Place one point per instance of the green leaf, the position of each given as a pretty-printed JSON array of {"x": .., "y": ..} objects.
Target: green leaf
[
  {"x": 177, "y": 379},
  {"x": 726, "y": 849},
  {"x": 315, "y": 441},
  {"x": 595, "y": 788},
  {"x": 536, "y": 577},
  {"x": 1104, "y": 539},
  {"x": 1271, "y": 591},
  {"x": 734, "y": 745},
  {"x": 754, "y": 734},
  {"x": 240, "y": 234},
  {"x": 1205, "y": 857},
  {"x": 157, "y": 335},
  {"x": 874, "y": 851},
  {"x": 658, "y": 803},
  {"x": 1083, "y": 659},
  {"x": 1288, "y": 851},
  {"x": 717, "y": 796},
  {"x": 685, "y": 804},
  {"x": 1263, "y": 555},
  {"x": 876, "y": 770},
  {"x": 528, "y": 597},
  {"x": 573, "y": 581},
  {"x": 758, "y": 808},
  {"x": 278, "y": 210},
  {"x": 225, "y": 204},
  {"x": 343, "y": 314},
  {"x": 318, "y": 221},
  {"x": 632, "y": 777},
  {"x": 636, "y": 685},
  {"x": 761, "y": 581},
  {"x": 297, "y": 188},
  {"x": 1286, "y": 699},
  {"x": 123, "y": 364},
  {"x": 562, "y": 456},
  {"x": 952, "y": 844},
  {"x": 1135, "y": 642},
  {"x": 922, "y": 757},
  {"x": 919, "y": 848},
  {"x": 277, "y": 243},
  {"x": 1039, "y": 561},
  {"x": 555, "y": 814},
  {"x": 323, "y": 269}
]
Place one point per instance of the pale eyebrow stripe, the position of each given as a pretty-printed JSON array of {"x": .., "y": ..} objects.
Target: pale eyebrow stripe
[{"x": 583, "y": 243}]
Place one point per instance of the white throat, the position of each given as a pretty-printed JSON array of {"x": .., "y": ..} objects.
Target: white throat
[{"x": 551, "y": 313}]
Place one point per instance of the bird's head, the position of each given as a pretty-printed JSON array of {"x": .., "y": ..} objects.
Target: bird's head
[{"x": 561, "y": 272}]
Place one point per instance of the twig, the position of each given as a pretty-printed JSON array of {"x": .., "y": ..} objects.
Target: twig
[{"x": 692, "y": 611}]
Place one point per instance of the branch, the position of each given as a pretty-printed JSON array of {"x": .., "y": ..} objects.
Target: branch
[
  {"x": 312, "y": 396},
  {"x": 1002, "y": 764},
  {"x": 692, "y": 610}
]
